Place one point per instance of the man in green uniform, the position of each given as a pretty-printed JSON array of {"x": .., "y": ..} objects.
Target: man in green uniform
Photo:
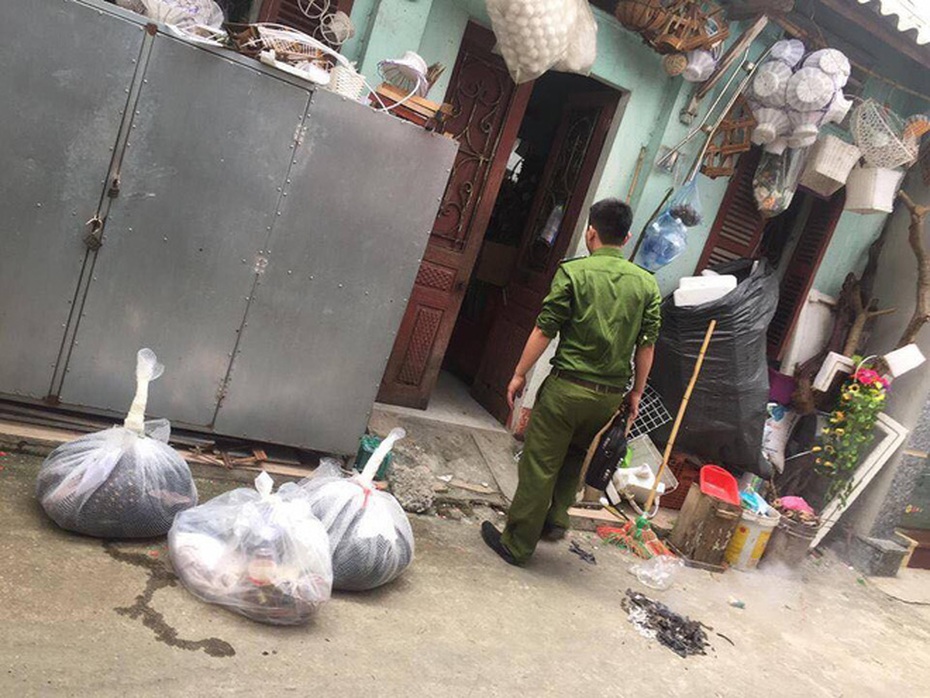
[{"x": 606, "y": 312}]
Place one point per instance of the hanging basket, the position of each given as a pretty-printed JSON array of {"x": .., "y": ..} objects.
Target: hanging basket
[
  {"x": 689, "y": 25},
  {"x": 872, "y": 189},
  {"x": 828, "y": 165},
  {"x": 640, "y": 15},
  {"x": 879, "y": 133}
]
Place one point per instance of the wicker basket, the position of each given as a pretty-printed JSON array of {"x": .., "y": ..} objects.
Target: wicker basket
[
  {"x": 346, "y": 82},
  {"x": 872, "y": 189},
  {"x": 640, "y": 15},
  {"x": 828, "y": 165}
]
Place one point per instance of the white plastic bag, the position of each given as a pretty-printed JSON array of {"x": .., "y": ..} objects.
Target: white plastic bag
[
  {"x": 658, "y": 572},
  {"x": 182, "y": 13},
  {"x": 260, "y": 554},
  {"x": 533, "y": 35},
  {"x": 582, "y": 43},
  {"x": 123, "y": 482},
  {"x": 778, "y": 428},
  {"x": 369, "y": 533}
]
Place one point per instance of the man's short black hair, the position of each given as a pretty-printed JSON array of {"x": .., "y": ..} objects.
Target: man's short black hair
[{"x": 611, "y": 218}]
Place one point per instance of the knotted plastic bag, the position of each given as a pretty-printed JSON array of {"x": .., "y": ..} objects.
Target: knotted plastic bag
[
  {"x": 686, "y": 205},
  {"x": 534, "y": 35},
  {"x": 370, "y": 536},
  {"x": 124, "y": 482},
  {"x": 258, "y": 553}
]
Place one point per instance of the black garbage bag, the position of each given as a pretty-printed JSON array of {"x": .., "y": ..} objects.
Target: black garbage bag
[{"x": 727, "y": 411}]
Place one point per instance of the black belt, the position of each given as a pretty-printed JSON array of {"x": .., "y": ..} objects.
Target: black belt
[{"x": 590, "y": 385}]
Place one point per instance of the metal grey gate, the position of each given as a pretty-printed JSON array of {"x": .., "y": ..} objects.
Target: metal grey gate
[
  {"x": 198, "y": 186},
  {"x": 59, "y": 119},
  {"x": 261, "y": 237}
]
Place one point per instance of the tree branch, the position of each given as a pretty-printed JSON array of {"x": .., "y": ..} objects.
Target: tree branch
[{"x": 914, "y": 237}]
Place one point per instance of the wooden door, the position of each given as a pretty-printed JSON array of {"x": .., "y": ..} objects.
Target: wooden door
[
  {"x": 802, "y": 268},
  {"x": 576, "y": 148},
  {"x": 737, "y": 230},
  {"x": 487, "y": 110}
]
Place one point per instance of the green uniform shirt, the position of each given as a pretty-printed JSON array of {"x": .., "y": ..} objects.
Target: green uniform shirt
[{"x": 603, "y": 307}]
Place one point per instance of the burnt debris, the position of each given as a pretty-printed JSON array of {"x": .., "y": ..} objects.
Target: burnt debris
[{"x": 652, "y": 619}]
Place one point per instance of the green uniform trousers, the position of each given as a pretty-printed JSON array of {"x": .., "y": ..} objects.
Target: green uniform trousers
[{"x": 566, "y": 417}]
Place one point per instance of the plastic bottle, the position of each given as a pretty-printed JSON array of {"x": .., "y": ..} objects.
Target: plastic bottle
[{"x": 665, "y": 239}]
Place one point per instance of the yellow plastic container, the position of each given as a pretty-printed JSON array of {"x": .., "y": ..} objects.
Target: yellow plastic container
[{"x": 749, "y": 541}]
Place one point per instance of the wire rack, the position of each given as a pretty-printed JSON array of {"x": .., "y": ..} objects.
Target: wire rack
[{"x": 652, "y": 413}]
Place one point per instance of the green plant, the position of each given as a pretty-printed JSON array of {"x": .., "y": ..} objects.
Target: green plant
[{"x": 850, "y": 431}]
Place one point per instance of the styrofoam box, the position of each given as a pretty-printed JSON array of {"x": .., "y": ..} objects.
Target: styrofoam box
[{"x": 700, "y": 290}]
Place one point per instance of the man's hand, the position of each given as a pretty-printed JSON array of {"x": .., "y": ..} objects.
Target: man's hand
[
  {"x": 515, "y": 389},
  {"x": 632, "y": 403}
]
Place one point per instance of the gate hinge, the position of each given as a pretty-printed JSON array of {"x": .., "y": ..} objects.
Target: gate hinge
[
  {"x": 93, "y": 238},
  {"x": 113, "y": 191}
]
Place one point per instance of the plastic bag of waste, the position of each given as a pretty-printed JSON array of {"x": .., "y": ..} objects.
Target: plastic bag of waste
[
  {"x": 369, "y": 533},
  {"x": 123, "y": 482},
  {"x": 728, "y": 408},
  {"x": 686, "y": 205},
  {"x": 262, "y": 554},
  {"x": 776, "y": 181},
  {"x": 533, "y": 35}
]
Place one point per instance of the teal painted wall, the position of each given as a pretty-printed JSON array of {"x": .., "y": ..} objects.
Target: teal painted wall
[{"x": 649, "y": 119}]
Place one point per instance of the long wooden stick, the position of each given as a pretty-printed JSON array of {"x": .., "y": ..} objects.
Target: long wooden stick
[{"x": 681, "y": 413}]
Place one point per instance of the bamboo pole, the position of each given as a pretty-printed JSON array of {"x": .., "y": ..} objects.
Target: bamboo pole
[{"x": 681, "y": 413}]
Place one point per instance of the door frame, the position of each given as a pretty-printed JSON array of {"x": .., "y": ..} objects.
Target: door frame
[
  {"x": 526, "y": 295},
  {"x": 463, "y": 261}
]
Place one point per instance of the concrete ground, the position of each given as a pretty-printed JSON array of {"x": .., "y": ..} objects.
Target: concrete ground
[{"x": 80, "y": 617}]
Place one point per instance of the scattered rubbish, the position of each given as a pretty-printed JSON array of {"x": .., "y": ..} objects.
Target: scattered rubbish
[
  {"x": 582, "y": 553},
  {"x": 659, "y": 572},
  {"x": 861, "y": 581},
  {"x": 445, "y": 478},
  {"x": 726, "y": 638},
  {"x": 736, "y": 603},
  {"x": 369, "y": 533},
  {"x": 123, "y": 482},
  {"x": 261, "y": 554},
  {"x": 652, "y": 619}
]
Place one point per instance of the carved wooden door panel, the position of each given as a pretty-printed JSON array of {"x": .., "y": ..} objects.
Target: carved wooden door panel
[
  {"x": 558, "y": 204},
  {"x": 487, "y": 110}
]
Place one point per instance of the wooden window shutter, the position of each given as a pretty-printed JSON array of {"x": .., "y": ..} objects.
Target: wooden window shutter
[
  {"x": 799, "y": 276},
  {"x": 737, "y": 230},
  {"x": 291, "y": 13}
]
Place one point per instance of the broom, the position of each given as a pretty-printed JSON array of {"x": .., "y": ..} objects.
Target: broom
[{"x": 638, "y": 537}]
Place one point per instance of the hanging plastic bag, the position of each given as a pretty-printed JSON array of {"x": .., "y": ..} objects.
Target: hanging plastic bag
[
  {"x": 665, "y": 239},
  {"x": 258, "y": 553},
  {"x": 533, "y": 35},
  {"x": 686, "y": 205},
  {"x": 776, "y": 181},
  {"x": 370, "y": 536},
  {"x": 582, "y": 42},
  {"x": 123, "y": 482}
]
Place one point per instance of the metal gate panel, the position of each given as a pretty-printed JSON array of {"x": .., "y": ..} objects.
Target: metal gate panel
[
  {"x": 66, "y": 69},
  {"x": 344, "y": 254},
  {"x": 208, "y": 152}
]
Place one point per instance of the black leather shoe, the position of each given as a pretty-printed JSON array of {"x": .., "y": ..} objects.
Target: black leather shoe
[
  {"x": 552, "y": 534},
  {"x": 492, "y": 538}
]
